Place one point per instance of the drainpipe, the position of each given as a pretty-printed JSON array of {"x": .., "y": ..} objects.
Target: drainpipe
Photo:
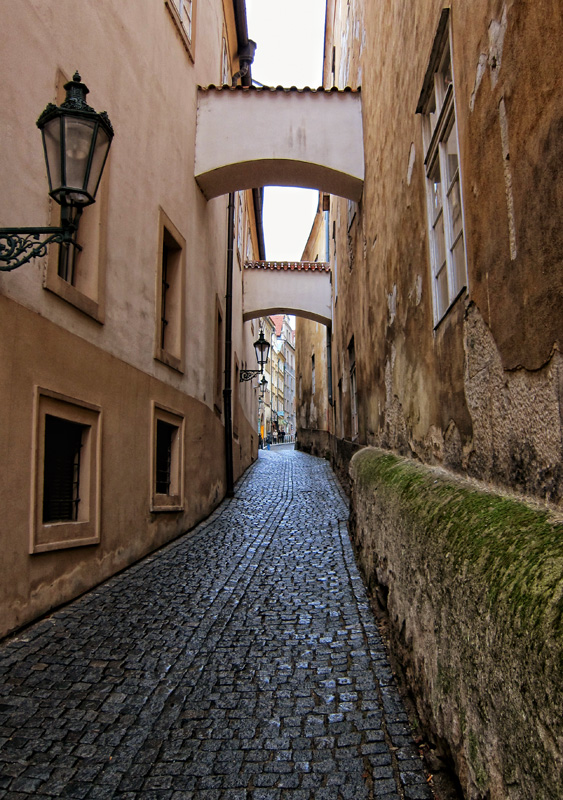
[
  {"x": 246, "y": 52},
  {"x": 329, "y": 328},
  {"x": 228, "y": 390}
]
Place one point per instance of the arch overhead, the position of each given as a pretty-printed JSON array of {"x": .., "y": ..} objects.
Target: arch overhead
[
  {"x": 302, "y": 288},
  {"x": 251, "y": 136}
]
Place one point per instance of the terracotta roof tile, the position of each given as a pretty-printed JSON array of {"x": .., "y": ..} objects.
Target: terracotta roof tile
[
  {"x": 292, "y": 266},
  {"x": 306, "y": 89}
]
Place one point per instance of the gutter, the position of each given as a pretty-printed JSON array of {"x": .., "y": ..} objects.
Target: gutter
[{"x": 246, "y": 50}]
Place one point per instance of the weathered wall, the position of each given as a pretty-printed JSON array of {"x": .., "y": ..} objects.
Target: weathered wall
[
  {"x": 31, "y": 584},
  {"x": 137, "y": 67},
  {"x": 313, "y": 415},
  {"x": 482, "y": 392},
  {"x": 473, "y": 583}
]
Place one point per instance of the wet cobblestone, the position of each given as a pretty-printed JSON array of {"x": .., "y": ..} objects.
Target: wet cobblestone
[{"x": 241, "y": 662}]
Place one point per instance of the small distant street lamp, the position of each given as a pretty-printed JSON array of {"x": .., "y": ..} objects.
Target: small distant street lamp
[
  {"x": 76, "y": 142},
  {"x": 263, "y": 383},
  {"x": 262, "y": 348}
]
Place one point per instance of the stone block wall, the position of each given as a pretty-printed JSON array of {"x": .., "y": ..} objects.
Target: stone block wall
[{"x": 473, "y": 584}]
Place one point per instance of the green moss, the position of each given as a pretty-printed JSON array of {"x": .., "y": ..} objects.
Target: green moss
[
  {"x": 513, "y": 549},
  {"x": 481, "y": 778}
]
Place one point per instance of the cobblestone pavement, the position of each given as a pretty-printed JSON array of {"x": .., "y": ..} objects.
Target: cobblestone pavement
[{"x": 239, "y": 662}]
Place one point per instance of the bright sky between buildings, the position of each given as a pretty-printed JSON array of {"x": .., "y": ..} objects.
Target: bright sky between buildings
[{"x": 290, "y": 39}]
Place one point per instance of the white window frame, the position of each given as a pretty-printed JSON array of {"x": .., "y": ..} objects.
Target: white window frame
[{"x": 446, "y": 224}]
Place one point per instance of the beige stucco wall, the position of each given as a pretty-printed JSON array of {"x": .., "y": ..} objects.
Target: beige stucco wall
[
  {"x": 313, "y": 413},
  {"x": 303, "y": 292},
  {"x": 137, "y": 68},
  {"x": 299, "y": 138},
  {"x": 482, "y": 392}
]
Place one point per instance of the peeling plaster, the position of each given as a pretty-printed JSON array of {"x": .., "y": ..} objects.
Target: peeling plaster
[
  {"x": 493, "y": 58},
  {"x": 497, "y": 32},
  {"x": 516, "y": 417},
  {"x": 392, "y": 304},
  {"x": 412, "y": 156},
  {"x": 481, "y": 69},
  {"x": 507, "y": 178}
]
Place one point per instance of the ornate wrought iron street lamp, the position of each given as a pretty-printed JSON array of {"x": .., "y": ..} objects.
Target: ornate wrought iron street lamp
[
  {"x": 262, "y": 349},
  {"x": 76, "y": 142}
]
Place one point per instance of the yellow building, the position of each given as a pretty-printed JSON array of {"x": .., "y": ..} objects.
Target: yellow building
[{"x": 114, "y": 367}]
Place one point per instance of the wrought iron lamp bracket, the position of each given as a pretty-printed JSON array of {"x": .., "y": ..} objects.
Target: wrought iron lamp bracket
[
  {"x": 249, "y": 374},
  {"x": 20, "y": 245}
]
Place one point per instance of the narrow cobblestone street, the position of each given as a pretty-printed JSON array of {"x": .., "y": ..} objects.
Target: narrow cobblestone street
[{"x": 241, "y": 661}]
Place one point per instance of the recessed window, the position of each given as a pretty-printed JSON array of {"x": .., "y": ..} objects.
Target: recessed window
[
  {"x": 183, "y": 16},
  {"x": 170, "y": 302},
  {"x": 66, "y": 473},
  {"x": 225, "y": 63},
  {"x": 167, "y": 460},
  {"x": 443, "y": 184},
  {"x": 353, "y": 388},
  {"x": 313, "y": 381},
  {"x": 64, "y": 441},
  {"x": 219, "y": 347}
]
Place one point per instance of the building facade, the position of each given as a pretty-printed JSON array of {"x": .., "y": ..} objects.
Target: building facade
[
  {"x": 447, "y": 275},
  {"x": 112, "y": 373}
]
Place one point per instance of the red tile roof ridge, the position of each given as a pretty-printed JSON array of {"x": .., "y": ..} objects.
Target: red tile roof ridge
[
  {"x": 286, "y": 89},
  {"x": 292, "y": 266}
]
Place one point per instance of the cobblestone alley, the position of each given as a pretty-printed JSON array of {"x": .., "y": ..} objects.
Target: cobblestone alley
[{"x": 241, "y": 661}]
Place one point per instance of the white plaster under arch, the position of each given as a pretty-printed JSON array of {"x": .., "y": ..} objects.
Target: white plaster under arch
[
  {"x": 248, "y": 137},
  {"x": 301, "y": 288}
]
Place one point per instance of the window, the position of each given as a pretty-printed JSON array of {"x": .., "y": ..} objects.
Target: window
[
  {"x": 353, "y": 388},
  {"x": 167, "y": 490},
  {"x": 183, "y": 16},
  {"x": 225, "y": 64},
  {"x": 219, "y": 345},
  {"x": 66, "y": 476},
  {"x": 170, "y": 302},
  {"x": 443, "y": 185},
  {"x": 313, "y": 388},
  {"x": 61, "y": 475},
  {"x": 240, "y": 227},
  {"x": 236, "y": 401}
]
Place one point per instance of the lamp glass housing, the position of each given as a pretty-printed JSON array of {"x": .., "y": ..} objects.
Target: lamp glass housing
[
  {"x": 262, "y": 349},
  {"x": 76, "y": 141}
]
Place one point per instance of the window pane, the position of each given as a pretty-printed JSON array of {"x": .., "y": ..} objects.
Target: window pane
[
  {"x": 165, "y": 433},
  {"x": 435, "y": 186},
  {"x": 454, "y": 206},
  {"x": 458, "y": 267},
  {"x": 442, "y": 300},
  {"x": 439, "y": 244},
  {"x": 61, "y": 472},
  {"x": 452, "y": 163}
]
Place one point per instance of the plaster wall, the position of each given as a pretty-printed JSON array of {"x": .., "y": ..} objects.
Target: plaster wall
[
  {"x": 302, "y": 292},
  {"x": 299, "y": 138},
  {"x": 481, "y": 393},
  {"x": 313, "y": 408},
  {"x": 137, "y": 67}
]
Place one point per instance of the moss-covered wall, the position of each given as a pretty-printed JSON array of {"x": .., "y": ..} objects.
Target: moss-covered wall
[{"x": 474, "y": 588}]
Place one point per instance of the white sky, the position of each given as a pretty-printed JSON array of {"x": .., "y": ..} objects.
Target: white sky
[{"x": 290, "y": 39}]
